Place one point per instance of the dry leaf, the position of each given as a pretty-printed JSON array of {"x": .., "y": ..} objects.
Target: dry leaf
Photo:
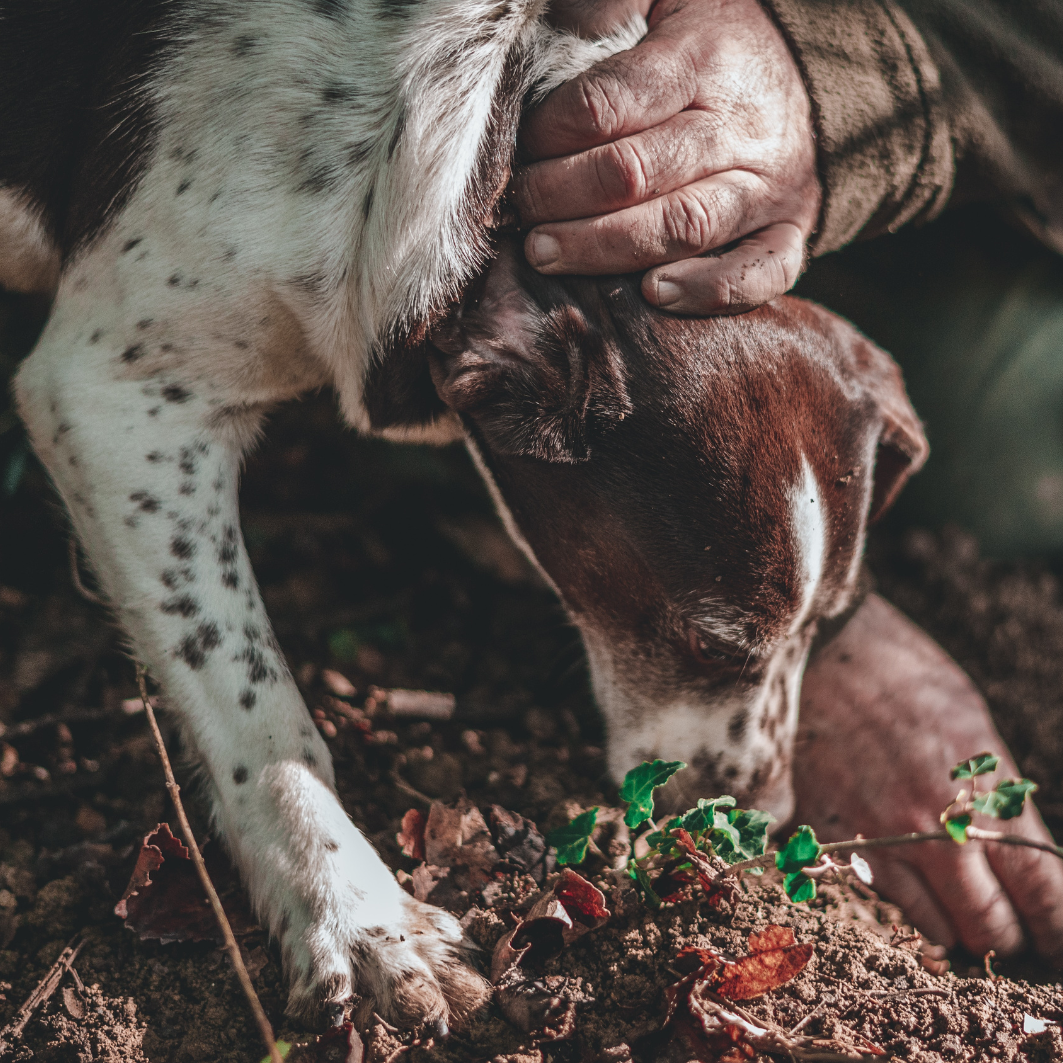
[
  {"x": 774, "y": 960},
  {"x": 165, "y": 901}
]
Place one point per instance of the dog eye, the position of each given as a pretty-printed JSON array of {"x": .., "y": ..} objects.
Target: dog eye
[{"x": 707, "y": 650}]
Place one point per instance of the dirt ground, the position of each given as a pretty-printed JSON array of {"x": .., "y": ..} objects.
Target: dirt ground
[{"x": 387, "y": 565}]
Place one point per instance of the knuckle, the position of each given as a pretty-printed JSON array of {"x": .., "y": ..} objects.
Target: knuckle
[
  {"x": 600, "y": 106},
  {"x": 629, "y": 172},
  {"x": 688, "y": 223}
]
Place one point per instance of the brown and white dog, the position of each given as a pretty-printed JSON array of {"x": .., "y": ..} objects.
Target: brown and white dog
[{"x": 232, "y": 203}]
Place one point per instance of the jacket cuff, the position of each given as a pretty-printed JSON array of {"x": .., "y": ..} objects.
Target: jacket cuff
[{"x": 885, "y": 153}]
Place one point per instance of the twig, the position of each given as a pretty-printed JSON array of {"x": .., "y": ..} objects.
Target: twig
[
  {"x": 975, "y": 833},
  {"x": 45, "y": 988},
  {"x": 412, "y": 792},
  {"x": 75, "y": 575},
  {"x": 233, "y": 948}
]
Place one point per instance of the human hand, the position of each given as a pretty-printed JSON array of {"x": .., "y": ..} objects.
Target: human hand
[
  {"x": 697, "y": 139},
  {"x": 885, "y": 714}
]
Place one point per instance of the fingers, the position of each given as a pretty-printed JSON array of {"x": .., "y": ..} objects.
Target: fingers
[
  {"x": 760, "y": 268},
  {"x": 1034, "y": 882},
  {"x": 624, "y": 173},
  {"x": 952, "y": 895},
  {"x": 903, "y": 885},
  {"x": 625, "y": 94},
  {"x": 687, "y": 222}
]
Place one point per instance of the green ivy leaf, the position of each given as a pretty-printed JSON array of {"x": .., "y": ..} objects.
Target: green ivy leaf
[
  {"x": 702, "y": 817},
  {"x": 957, "y": 828},
  {"x": 571, "y": 840},
  {"x": 802, "y": 850},
  {"x": 982, "y": 764},
  {"x": 752, "y": 827},
  {"x": 1006, "y": 800},
  {"x": 799, "y": 887},
  {"x": 638, "y": 787}
]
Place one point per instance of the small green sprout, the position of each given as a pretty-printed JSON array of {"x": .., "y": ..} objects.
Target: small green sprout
[
  {"x": 1005, "y": 801},
  {"x": 982, "y": 764},
  {"x": 801, "y": 851}
]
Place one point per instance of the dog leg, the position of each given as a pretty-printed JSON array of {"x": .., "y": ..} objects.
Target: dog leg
[{"x": 148, "y": 467}]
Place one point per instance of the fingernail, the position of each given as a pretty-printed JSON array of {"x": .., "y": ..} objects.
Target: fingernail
[
  {"x": 667, "y": 293},
  {"x": 542, "y": 250}
]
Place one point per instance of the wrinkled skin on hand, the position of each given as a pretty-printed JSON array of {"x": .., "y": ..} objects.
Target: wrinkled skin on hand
[
  {"x": 885, "y": 714},
  {"x": 697, "y": 140}
]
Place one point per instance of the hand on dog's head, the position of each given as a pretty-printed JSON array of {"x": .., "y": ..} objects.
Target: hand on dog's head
[{"x": 698, "y": 491}]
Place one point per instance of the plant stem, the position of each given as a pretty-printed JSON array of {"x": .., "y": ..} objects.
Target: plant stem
[
  {"x": 264, "y": 1027},
  {"x": 975, "y": 833}
]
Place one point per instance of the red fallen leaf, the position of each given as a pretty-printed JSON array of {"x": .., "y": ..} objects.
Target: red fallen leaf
[
  {"x": 343, "y": 1044},
  {"x": 774, "y": 959},
  {"x": 165, "y": 901},
  {"x": 583, "y": 902},
  {"x": 411, "y": 837}
]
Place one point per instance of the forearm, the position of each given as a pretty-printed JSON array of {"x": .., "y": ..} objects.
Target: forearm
[{"x": 923, "y": 102}]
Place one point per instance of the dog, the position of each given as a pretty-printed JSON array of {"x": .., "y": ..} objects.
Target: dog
[{"x": 231, "y": 204}]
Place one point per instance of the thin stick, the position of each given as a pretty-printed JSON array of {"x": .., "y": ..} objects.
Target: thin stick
[
  {"x": 264, "y": 1027},
  {"x": 975, "y": 833},
  {"x": 45, "y": 988}
]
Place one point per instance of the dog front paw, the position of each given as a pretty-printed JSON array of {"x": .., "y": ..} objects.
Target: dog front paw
[{"x": 405, "y": 965}]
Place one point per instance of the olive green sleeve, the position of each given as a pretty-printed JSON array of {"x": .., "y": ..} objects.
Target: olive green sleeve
[{"x": 922, "y": 102}]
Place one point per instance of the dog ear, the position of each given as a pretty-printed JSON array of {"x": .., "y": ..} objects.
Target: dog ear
[
  {"x": 902, "y": 444},
  {"x": 530, "y": 372}
]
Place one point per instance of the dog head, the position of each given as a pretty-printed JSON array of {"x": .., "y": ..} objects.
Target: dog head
[{"x": 697, "y": 491}]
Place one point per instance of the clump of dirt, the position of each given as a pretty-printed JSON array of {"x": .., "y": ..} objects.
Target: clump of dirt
[{"x": 387, "y": 565}]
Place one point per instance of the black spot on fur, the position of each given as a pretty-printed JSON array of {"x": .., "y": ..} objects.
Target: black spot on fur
[
  {"x": 185, "y": 606},
  {"x": 231, "y": 579},
  {"x": 396, "y": 136},
  {"x": 243, "y": 45},
  {"x": 182, "y": 548},
  {"x": 133, "y": 353},
  {"x": 155, "y": 457},
  {"x": 252, "y": 634},
  {"x": 248, "y": 699},
  {"x": 175, "y": 279},
  {"x": 336, "y": 92},
  {"x": 148, "y": 503},
  {"x": 95, "y": 337},
  {"x": 309, "y": 759},
  {"x": 228, "y": 552},
  {"x": 241, "y": 345},
  {"x": 129, "y": 245},
  {"x": 239, "y": 775},
  {"x": 154, "y": 411},
  {"x": 259, "y": 669},
  {"x": 183, "y": 187},
  {"x": 196, "y": 648},
  {"x": 170, "y": 578},
  {"x": 187, "y": 462},
  {"x": 334, "y": 9},
  {"x": 187, "y": 488},
  {"x": 332, "y": 846},
  {"x": 144, "y": 323},
  {"x": 175, "y": 393}
]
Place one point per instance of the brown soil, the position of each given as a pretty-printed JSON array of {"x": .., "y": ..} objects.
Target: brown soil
[{"x": 386, "y": 564}]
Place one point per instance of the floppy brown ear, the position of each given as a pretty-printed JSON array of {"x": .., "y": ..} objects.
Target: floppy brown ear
[
  {"x": 530, "y": 373},
  {"x": 902, "y": 444}
]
